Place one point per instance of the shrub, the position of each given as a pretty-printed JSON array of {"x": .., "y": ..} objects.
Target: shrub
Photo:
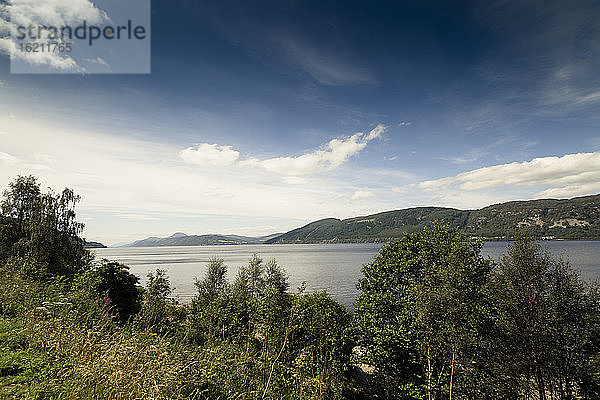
[
  {"x": 421, "y": 313},
  {"x": 114, "y": 287}
]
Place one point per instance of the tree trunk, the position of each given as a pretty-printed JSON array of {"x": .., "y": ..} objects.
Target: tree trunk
[
  {"x": 452, "y": 372},
  {"x": 428, "y": 372},
  {"x": 540, "y": 381}
]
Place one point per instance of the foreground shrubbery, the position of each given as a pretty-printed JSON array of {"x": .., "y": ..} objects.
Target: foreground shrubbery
[
  {"x": 434, "y": 320},
  {"x": 59, "y": 341},
  {"x": 440, "y": 322},
  {"x": 72, "y": 329}
]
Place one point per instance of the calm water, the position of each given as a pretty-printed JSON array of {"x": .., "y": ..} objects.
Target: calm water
[{"x": 335, "y": 267}]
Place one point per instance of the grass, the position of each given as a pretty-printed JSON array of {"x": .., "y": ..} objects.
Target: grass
[{"x": 56, "y": 345}]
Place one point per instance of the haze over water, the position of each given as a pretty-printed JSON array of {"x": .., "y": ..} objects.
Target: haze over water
[{"x": 332, "y": 267}]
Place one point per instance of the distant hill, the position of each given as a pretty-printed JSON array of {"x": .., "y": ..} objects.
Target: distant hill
[
  {"x": 94, "y": 245},
  {"x": 577, "y": 218},
  {"x": 181, "y": 239}
]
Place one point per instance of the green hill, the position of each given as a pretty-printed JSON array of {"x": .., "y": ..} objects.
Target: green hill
[
  {"x": 94, "y": 245},
  {"x": 577, "y": 218},
  {"x": 181, "y": 239}
]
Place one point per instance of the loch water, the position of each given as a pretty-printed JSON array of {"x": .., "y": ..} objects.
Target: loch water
[{"x": 332, "y": 267}]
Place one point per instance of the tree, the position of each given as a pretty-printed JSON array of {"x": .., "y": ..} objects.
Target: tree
[
  {"x": 114, "y": 286},
  {"x": 156, "y": 314},
  {"x": 40, "y": 228},
  {"x": 158, "y": 286},
  {"x": 320, "y": 342},
  {"x": 421, "y": 312},
  {"x": 545, "y": 334},
  {"x": 275, "y": 278},
  {"x": 214, "y": 281},
  {"x": 250, "y": 281},
  {"x": 212, "y": 314}
]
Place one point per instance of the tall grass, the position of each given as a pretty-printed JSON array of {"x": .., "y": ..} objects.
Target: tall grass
[{"x": 56, "y": 344}]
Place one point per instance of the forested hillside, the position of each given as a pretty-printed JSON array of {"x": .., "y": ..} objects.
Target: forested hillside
[{"x": 577, "y": 218}]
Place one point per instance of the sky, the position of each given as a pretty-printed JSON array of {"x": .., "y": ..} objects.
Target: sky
[{"x": 261, "y": 116}]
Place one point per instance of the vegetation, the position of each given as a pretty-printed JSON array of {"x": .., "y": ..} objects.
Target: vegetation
[
  {"x": 423, "y": 307},
  {"x": 181, "y": 239},
  {"x": 38, "y": 230},
  {"x": 577, "y": 218},
  {"x": 434, "y": 321},
  {"x": 438, "y": 322},
  {"x": 90, "y": 331},
  {"x": 94, "y": 245}
]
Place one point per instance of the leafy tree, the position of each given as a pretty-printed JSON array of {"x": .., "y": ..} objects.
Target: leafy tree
[
  {"x": 41, "y": 228},
  {"x": 157, "y": 310},
  {"x": 546, "y": 332},
  {"x": 320, "y": 343},
  {"x": 212, "y": 314},
  {"x": 114, "y": 286},
  {"x": 422, "y": 310},
  {"x": 250, "y": 281},
  {"x": 275, "y": 278},
  {"x": 158, "y": 286},
  {"x": 214, "y": 281}
]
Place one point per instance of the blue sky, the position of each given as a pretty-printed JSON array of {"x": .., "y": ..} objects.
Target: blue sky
[{"x": 249, "y": 120}]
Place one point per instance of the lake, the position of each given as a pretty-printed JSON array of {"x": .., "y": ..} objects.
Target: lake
[{"x": 334, "y": 267}]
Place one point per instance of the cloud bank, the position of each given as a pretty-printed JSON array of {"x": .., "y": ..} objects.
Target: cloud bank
[
  {"x": 327, "y": 158},
  {"x": 210, "y": 155},
  {"x": 570, "y": 175}
]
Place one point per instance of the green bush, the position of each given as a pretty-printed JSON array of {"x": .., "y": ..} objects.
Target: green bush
[
  {"x": 113, "y": 287},
  {"x": 422, "y": 311},
  {"x": 159, "y": 313}
]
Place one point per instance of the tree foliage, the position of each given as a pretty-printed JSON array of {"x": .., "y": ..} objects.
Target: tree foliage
[
  {"x": 438, "y": 322},
  {"x": 111, "y": 284},
  {"x": 40, "y": 229},
  {"x": 214, "y": 282},
  {"x": 422, "y": 310},
  {"x": 546, "y": 333}
]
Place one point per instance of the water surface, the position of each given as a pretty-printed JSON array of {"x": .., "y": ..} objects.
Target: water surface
[{"x": 332, "y": 267}]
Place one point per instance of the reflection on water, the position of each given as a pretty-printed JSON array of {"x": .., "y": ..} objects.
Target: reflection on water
[{"x": 334, "y": 267}]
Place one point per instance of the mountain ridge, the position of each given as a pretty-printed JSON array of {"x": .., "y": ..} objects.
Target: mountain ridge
[
  {"x": 576, "y": 218},
  {"x": 181, "y": 239}
]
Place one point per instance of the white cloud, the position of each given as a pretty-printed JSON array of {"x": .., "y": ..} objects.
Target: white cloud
[
  {"x": 14, "y": 161},
  {"x": 570, "y": 190},
  {"x": 294, "y": 180},
  {"x": 210, "y": 154},
  {"x": 375, "y": 133},
  {"x": 97, "y": 60},
  {"x": 47, "y": 13},
  {"x": 55, "y": 12},
  {"x": 362, "y": 194},
  {"x": 139, "y": 217},
  {"x": 9, "y": 159},
  {"x": 334, "y": 154},
  {"x": 575, "y": 173}
]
